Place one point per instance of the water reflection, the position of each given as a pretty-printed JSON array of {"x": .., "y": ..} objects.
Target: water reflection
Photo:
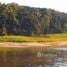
[
  {"x": 56, "y": 64},
  {"x": 33, "y": 57},
  {"x": 59, "y": 57}
]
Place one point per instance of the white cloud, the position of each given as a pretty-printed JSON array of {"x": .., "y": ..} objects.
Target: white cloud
[{"x": 54, "y": 4}]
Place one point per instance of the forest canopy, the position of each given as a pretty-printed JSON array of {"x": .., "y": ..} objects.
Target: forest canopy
[{"x": 30, "y": 21}]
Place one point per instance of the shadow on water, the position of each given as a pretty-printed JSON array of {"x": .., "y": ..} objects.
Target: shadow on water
[{"x": 33, "y": 57}]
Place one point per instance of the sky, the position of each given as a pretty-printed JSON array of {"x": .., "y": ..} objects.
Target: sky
[{"x": 59, "y": 5}]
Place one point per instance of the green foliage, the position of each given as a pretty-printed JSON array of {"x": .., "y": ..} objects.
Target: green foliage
[
  {"x": 23, "y": 20},
  {"x": 46, "y": 21}
]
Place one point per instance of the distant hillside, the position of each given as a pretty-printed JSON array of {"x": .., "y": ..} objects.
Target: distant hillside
[{"x": 24, "y": 20}]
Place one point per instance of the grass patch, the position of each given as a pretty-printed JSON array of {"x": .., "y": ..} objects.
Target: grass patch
[{"x": 51, "y": 38}]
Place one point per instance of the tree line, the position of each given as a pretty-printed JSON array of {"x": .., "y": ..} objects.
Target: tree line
[{"x": 23, "y": 20}]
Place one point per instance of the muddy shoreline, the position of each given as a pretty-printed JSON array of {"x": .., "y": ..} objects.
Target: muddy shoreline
[{"x": 33, "y": 44}]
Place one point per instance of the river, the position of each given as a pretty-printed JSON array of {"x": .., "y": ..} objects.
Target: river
[{"x": 33, "y": 57}]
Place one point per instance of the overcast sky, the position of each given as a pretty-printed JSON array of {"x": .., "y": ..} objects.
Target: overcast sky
[{"x": 60, "y": 5}]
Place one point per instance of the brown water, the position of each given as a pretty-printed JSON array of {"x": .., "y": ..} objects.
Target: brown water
[{"x": 32, "y": 57}]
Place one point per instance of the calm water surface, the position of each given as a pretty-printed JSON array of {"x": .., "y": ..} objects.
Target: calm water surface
[{"x": 33, "y": 57}]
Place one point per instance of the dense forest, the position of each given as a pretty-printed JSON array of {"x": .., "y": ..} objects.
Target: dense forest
[{"x": 23, "y": 20}]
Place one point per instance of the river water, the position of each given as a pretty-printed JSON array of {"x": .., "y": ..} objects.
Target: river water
[
  {"x": 59, "y": 59},
  {"x": 33, "y": 57}
]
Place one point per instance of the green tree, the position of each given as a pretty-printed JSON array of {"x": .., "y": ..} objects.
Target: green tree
[{"x": 46, "y": 21}]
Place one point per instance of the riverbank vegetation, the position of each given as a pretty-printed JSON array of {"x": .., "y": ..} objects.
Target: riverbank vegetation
[
  {"x": 23, "y": 20},
  {"x": 28, "y": 24},
  {"x": 50, "y": 38}
]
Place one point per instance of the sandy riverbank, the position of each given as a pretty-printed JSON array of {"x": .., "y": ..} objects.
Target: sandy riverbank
[{"x": 24, "y": 44}]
